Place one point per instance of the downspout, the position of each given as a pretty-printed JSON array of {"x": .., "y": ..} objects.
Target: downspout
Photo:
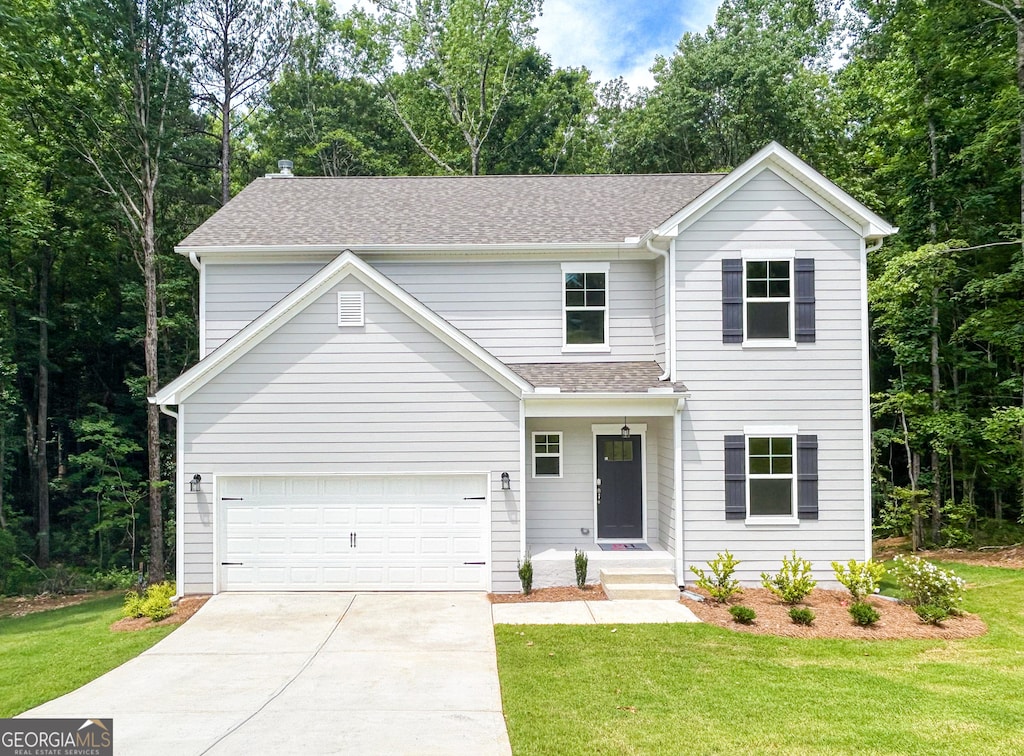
[
  {"x": 669, "y": 315},
  {"x": 874, "y": 247},
  {"x": 179, "y": 505},
  {"x": 192, "y": 258}
]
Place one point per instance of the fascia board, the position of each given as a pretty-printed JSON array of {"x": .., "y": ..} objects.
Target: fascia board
[
  {"x": 344, "y": 265},
  {"x": 851, "y": 212},
  {"x": 314, "y": 251}
]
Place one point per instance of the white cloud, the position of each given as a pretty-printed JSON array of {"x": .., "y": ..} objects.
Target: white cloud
[{"x": 618, "y": 38}]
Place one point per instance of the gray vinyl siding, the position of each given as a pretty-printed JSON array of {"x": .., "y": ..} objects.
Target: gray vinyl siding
[
  {"x": 658, "y": 323},
  {"x": 388, "y": 397},
  {"x": 557, "y": 508},
  {"x": 816, "y": 387},
  {"x": 512, "y": 308},
  {"x": 236, "y": 294}
]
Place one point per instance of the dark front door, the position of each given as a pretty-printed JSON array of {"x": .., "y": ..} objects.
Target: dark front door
[{"x": 620, "y": 490}]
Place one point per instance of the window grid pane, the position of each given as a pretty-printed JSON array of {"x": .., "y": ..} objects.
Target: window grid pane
[
  {"x": 586, "y": 301},
  {"x": 547, "y": 454},
  {"x": 770, "y": 471}
]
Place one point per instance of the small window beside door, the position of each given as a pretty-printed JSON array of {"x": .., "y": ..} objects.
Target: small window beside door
[{"x": 547, "y": 455}]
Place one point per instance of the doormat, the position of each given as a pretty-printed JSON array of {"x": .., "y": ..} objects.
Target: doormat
[{"x": 625, "y": 547}]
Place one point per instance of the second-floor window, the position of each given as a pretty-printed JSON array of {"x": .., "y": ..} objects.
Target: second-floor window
[
  {"x": 769, "y": 297},
  {"x": 585, "y": 306}
]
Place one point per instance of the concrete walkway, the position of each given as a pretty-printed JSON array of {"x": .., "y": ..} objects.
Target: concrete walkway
[
  {"x": 302, "y": 673},
  {"x": 591, "y": 613}
]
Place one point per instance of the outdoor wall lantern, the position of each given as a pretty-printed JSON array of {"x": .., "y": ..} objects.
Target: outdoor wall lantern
[
  {"x": 193, "y": 485},
  {"x": 625, "y": 429},
  {"x": 506, "y": 482}
]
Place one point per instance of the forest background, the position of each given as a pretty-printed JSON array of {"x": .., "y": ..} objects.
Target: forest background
[{"x": 125, "y": 123}]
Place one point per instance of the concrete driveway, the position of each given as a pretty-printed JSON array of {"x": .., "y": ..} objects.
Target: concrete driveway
[{"x": 309, "y": 673}]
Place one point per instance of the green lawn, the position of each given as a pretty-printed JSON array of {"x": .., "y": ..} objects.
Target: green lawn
[
  {"x": 47, "y": 654},
  {"x": 670, "y": 689}
]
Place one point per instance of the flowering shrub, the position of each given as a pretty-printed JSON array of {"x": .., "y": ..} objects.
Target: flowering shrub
[
  {"x": 792, "y": 582},
  {"x": 921, "y": 583},
  {"x": 720, "y": 584},
  {"x": 859, "y": 578}
]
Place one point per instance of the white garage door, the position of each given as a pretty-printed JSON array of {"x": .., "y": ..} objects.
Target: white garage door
[{"x": 381, "y": 532}]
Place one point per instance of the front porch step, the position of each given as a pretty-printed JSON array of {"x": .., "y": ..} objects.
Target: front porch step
[{"x": 639, "y": 583}]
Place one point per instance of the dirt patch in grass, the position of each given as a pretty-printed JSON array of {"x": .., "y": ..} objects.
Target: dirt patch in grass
[
  {"x": 561, "y": 593},
  {"x": 832, "y": 618},
  {"x": 184, "y": 609},
  {"x": 19, "y": 606},
  {"x": 986, "y": 556}
]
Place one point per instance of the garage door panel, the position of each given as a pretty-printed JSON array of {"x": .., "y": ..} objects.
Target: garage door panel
[{"x": 410, "y": 532}]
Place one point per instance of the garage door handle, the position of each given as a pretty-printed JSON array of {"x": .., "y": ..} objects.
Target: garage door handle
[
  {"x": 476, "y": 563},
  {"x": 230, "y": 564},
  {"x": 474, "y": 498}
]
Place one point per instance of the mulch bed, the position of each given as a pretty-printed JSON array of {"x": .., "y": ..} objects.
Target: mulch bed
[
  {"x": 561, "y": 593},
  {"x": 185, "y": 608},
  {"x": 832, "y": 618}
]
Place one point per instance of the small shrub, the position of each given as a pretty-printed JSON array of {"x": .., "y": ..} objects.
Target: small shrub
[
  {"x": 859, "y": 578},
  {"x": 720, "y": 584},
  {"x": 793, "y": 582},
  {"x": 922, "y": 583},
  {"x": 863, "y": 614},
  {"x": 155, "y": 603},
  {"x": 801, "y": 615},
  {"x": 742, "y": 614},
  {"x": 931, "y": 614},
  {"x": 526, "y": 574},
  {"x": 581, "y": 561}
]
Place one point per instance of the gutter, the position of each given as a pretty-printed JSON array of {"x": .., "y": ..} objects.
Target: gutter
[
  {"x": 669, "y": 313},
  {"x": 194, "y": 259}
]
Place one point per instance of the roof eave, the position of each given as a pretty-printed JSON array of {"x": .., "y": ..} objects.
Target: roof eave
[{"x": 320, "y": 250}]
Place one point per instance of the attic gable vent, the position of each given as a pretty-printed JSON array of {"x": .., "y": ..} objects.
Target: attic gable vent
[{"x": 350, "y": 308}]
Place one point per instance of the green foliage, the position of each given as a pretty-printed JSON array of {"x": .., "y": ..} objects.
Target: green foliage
[
  {"x": 525, "y": 569},
  {"x": 61, "y": 579},
  {"x": 115, "y": 577},
  {"x": 793, "y": 582},
  {"x": 16, "y": 575},
  {"x": 931, "y": 614},
  {"x": 742, "y": 614},
  {"x": 720, "y": 584},
  {"x": 863, "y": 613},
  {"x": 580, "y": 562},
  {"x": 154, "y": 602},
  {"x": 921, "y": 583},
  {"x": 859, "y": 578},
  {"x": 801, "y": 615}
]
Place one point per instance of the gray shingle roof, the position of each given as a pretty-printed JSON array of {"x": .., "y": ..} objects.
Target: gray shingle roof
[
  {"x": 453, "y": 210},
  {"x": 600, "y": 377}
]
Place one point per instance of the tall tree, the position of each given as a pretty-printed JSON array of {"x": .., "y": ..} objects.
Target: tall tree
[
  {"x": 128, "y": 122},
  {"x": 462, "y": 60},
  {"x": 238, "y": 48}
]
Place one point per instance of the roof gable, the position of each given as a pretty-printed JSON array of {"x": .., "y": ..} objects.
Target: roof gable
[
  {"x": 344, "y": 266},
  {"x": 790, "y": 168}
]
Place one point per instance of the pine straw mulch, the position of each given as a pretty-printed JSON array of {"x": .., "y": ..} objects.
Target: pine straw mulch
[
  {"x": 185, "y": 608},
  {"x": 561, "y": 593},
  {"x": 832, "y": 618}
]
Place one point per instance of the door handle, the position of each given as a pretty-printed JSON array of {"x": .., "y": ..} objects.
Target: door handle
[{"x": 231, "y": 564}]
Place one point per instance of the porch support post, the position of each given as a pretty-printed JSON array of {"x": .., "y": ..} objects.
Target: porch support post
[
  {"x": 677, "y": 457},
  {"x": 523, "y": 475}
]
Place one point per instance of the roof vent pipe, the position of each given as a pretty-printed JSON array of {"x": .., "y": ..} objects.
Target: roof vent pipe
[{"x": 284, "y": 167}]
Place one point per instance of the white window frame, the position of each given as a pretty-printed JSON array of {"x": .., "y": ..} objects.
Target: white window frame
[
  {"x": 769, "y": 256},
  {"x": 771, "y": 431},
  {"x": 604, "y": 268},
  {"x": 547, "y": 455}
]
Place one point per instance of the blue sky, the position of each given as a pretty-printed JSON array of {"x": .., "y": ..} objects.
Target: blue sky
[{"x": 618, "y": 38}]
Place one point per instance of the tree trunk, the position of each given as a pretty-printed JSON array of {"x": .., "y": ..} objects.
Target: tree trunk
[
  {"x": 225, "y": 152},
  {"x": 40, "y": 430},
  {"x": 156, "y": 515},
  {"x": 3, "y": 466},
  {"x": 933, "y": 357}
]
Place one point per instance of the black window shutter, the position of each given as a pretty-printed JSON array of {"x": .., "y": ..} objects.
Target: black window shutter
[
  {"x": 803, "y": 270},
  {"x": 732, "y": 301},
  {"x": 735, "y": 478},
  {"x": 807, "y": 477}
]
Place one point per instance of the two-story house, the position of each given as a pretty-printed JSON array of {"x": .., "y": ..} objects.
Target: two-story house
[{"x": 412, "y": 383}]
